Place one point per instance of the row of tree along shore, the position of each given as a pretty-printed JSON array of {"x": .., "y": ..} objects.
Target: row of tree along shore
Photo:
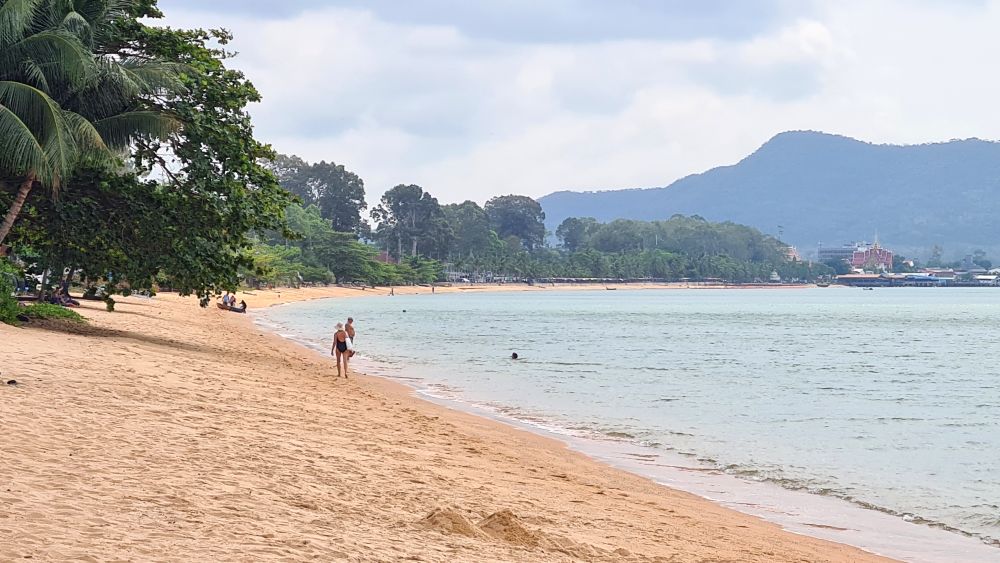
[
  {"x": 417, "y": 240},
  {"x": 128, "y": 161}
]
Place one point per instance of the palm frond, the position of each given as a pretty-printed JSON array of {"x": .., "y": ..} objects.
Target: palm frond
[
  {"x": 20, "y": 152},
  {"x": 43, "y": 117},
  {"x": 104, "y": 24},
  {"x": 63, "y": 57},
  {"x": 34, "y": 75},
  {"x": 121, "y": 130},
  {"x": 15, "y": 19},
  {"x": 119, "y": 85},
  {"x": 89, "y": 142},
  {"x": 75, "y": 23},
  {"x": 154, "y": 77}
]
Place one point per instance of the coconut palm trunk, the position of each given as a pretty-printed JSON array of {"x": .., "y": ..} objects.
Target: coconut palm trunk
[{"x": 15, "y": 208}]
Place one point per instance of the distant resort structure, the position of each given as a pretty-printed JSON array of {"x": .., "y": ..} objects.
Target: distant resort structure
[
  {"x": 859, "y": 255},
  {"x": 872, "y": 266}
]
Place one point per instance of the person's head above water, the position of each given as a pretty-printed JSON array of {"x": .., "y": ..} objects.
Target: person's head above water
[
  {"x": 350, "y": 320},
  {"x": 340, "y": 326},
  {"x": 513, "y": 356}
]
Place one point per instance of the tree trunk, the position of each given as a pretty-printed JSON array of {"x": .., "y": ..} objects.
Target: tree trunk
[
  {"x": 413, "y": 247},
  {"x": 15, "y": 208}
]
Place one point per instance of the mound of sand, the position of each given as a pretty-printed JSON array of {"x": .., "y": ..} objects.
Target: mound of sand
[
  {"x": 450, "y": 521},
  {"x": 505, "y": 526}
]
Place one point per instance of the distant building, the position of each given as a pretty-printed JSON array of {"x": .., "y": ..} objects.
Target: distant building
[
  {"x": 834, "y": 253},
  {"x": 860, "y": 256},
  {"x": 873, "y": 257},
  {"x": 792, "y": 254}
]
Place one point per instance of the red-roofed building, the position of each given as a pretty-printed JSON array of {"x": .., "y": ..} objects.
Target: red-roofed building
[{"x": 873, "y": 257}]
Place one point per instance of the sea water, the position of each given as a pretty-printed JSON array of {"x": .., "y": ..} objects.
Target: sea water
[{"x": 887, "y": 399}]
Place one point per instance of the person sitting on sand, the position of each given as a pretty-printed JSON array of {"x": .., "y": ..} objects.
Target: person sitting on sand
[
  {"x": 243, "y": 305},
  {"x": 349, "y": 328},
  {"x": 341, "y": 349},
  {"x": 68, "y": 301}
]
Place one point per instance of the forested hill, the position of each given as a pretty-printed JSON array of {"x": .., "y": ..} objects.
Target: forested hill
[{"x": 830, "y": 189}]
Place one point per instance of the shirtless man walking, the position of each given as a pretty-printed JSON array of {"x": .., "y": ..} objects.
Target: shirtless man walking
[{"x": 350, "y": 328}]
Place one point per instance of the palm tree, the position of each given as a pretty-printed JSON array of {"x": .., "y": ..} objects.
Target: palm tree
[{"x": 64, "y": 99}]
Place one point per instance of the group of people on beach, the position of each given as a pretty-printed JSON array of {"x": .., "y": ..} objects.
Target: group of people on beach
[
  {"x": 343, "y": 345},
  {"x": 229, "y": 300},
  {"x": 62, "y": 297}
]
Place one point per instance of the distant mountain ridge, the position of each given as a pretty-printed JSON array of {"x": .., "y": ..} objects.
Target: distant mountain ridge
[{"x": 832, "y": 189}]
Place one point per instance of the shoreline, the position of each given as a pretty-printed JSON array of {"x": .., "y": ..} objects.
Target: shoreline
[
  {"x": 269, "y": 297},
  {"x": 166, "y": 428},
  {"x": 827, "y": 517}
]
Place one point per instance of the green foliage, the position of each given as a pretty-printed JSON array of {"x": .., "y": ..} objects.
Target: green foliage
[
  {"x": 518, "y": 216},
  {"x": 412, "y": 220},
  {"x": 220, "y": 194},
  {"x": 574, "y": 233},
  {"x": 8, "y": 303},
  {"x": 979, "y": 259},
  {"x": 337, "y": 192},
  {"x": 470, "y": 226},
  {"x": 317, "y": 253},
  {"x": 50, "y": 311},
  {"x": 65, "y": 98},
  {"x": 679, "y": 248},
  {"x": 902, "y": 265},
  {"x": 194, "y": 229},
  {"x": 839, "y": 267}
]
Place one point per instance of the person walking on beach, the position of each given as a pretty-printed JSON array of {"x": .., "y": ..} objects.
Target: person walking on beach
[
  {"x": 349, "y": 328},
  {"x": 341, "y": 349}
]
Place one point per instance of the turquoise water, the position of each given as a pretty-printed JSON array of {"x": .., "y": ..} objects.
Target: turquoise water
[{"x": 889, "y": 398}]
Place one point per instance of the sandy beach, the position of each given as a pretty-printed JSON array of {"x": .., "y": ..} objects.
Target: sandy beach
[{"x": 168, "y": 432}]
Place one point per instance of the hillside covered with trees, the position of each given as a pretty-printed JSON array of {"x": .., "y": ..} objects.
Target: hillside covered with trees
[{"x": 831, "y": 189}]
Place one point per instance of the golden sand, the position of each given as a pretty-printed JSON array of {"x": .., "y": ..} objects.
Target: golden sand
[{"x": 167, "y": 432}]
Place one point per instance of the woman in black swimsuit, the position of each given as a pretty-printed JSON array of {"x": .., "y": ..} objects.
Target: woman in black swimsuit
[{"x": 339, "y": 349}]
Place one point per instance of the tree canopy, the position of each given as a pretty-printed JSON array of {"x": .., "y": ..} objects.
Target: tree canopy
[
  {"x": 167, "y": 99},
  {"x": 66, "y": 96},
  {"x": 518, "y": 216},
  {"x": 337, "y": 192},
  {"x": 412, "y": 219}
]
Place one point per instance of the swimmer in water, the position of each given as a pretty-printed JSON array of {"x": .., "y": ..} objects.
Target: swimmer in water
[{"x": 513, "y": 356}]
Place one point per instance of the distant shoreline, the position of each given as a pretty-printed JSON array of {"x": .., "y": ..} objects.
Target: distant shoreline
[{"x": 268, "y": 297}]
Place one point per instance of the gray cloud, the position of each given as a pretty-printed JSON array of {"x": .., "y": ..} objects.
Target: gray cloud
[
  {"x": 471, "y": 99},
  {"x": 547, "y": 21}
]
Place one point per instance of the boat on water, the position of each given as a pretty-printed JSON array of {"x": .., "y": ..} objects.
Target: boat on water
[
  {"x": 868, "y": 288},
  {"x": 822, "y": 284}
]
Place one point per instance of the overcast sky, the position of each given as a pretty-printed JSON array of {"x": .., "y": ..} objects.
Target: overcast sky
[{"x": 471, "y": 99}]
